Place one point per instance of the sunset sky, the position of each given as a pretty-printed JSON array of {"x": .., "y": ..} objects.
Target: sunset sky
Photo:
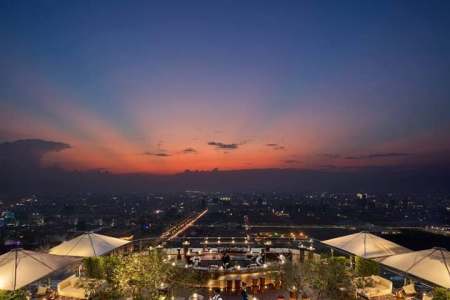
[{"x": 135, "y": 86}]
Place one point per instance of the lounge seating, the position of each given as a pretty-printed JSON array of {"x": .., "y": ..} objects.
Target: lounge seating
[
  {"x": 427, "y": 297},
  {"x": 74, "y": 287},
  {"x": 409, "y": 291},
  {"x": 373, "y": 286},
  {"x": 41, "y": 290}
]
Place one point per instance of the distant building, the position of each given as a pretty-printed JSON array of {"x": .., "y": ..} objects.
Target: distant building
[
  {"x": 9, "y": 218},
  {"x": 225, "y": 199}
]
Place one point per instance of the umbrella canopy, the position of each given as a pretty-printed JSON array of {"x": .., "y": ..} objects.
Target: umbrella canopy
[
  {"x": 366, "y": 245},
  {"x": 432, "y": 265},
  {"x": 19, "y": 267},
  {"x": 88, "y": 245}
]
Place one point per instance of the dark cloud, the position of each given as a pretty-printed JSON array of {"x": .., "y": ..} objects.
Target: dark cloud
[
  {"x": 163, "y": 153},
  {"x": 220, "y": 145},
  {"x": 21, "y": 167},
  {"x": 29, "y": 151},
  {"x": 189, "y": 150},
  {"x": 291, "y": 161},
  {"x": 275, "y": 146},
  {"x": 378, "y": 155},
  {"x": 32, "y": 145},
  {"x": 329, "y": 155},
  {"x": 159, "y": 154}
]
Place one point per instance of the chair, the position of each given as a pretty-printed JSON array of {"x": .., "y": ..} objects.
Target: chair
[
  {"x": 409, "y": 291},
  {"x": 427, "y": 297},
  {"x": 373, "y": 287},
  {"x": 72, "y": 287},
  {"x": 41, "y": 290}
]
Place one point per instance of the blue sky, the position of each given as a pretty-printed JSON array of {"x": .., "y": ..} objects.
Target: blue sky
[{"x": 116, "y": 79}]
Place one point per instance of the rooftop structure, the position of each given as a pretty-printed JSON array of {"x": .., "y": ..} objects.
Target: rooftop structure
[
  {"x": 366, "y": 245},
  {"x": 88, "y": 245},
  {"x": 19, "y": 267}
]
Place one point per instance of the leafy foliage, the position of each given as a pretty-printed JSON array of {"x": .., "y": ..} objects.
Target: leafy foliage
[
  {"x": 93, "y": 267},
  {"x": 13, "y": 295},
  {"x": 108, "y": 293},
  {"x": 441, "y": 294},
  {"x": 365, "y": 267},
  {"x": 296, "y": 275},
  {"x": 100, "y": 267},
  {"x": 327, "y": 277},
  {"x": 141, "y": 276},
  {"x": 109, "y": 264}
]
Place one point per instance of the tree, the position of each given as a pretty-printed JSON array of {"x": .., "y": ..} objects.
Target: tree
[
  {"x": 13, "y": 295},
  {"x": 338, "y": 279},
  {"x": 109, "y": 264},
  {"x": 141, "y": 276},
  {"x": 365, "y": 267},
  {"x": 296, "y": 275},
  {"x": 93, "y": 267},
  {"x": 330, "y": 278},
  {"x": 441, "y": 294},
  {"x": 101, "y": 267}
]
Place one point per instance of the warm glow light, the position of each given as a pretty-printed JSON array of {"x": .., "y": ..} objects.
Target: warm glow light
[{"x": 2, "y": 282}]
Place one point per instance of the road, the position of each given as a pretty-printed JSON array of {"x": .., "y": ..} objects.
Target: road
[{"x": 181, "y": 227}]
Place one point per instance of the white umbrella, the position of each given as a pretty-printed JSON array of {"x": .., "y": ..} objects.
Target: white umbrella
[
  {"x": 432, "y": 265},
  {"x": 88, "y": 245},
  {"x": 19, "y": 267},
  {"x": 366, "y": 245}
]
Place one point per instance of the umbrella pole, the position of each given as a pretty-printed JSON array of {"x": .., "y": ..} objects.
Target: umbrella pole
[{"x": 15, "y": 269}]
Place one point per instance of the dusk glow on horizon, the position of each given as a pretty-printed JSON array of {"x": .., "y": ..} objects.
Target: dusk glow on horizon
[{"x": 140, "y": 87}]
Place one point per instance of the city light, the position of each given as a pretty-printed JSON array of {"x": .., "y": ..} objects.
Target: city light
[{"x": 233, "y": 150}]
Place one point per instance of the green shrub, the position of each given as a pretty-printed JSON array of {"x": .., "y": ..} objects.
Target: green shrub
[
  {"x": 365, "y": 267},
  {"x": 13, "y": 295},
  {"x": 441, "y": 294},
  {"x": 93, "y": 267},
  {"x": 339, "y": 260},
  {"x": 109, "y": 264}
]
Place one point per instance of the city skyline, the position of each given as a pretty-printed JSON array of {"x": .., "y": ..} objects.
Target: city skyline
[{"x": 161, "y": 88}]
